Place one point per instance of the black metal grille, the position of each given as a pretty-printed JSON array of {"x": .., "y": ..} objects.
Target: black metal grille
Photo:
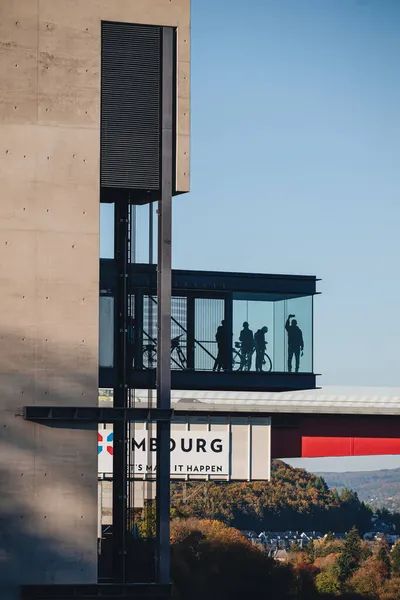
[{"x": 130, "y": 106}]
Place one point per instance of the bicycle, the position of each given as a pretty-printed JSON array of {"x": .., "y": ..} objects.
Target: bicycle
[
  {"x": 150, "y": 355},
  {"x": 238, "y": 364}
]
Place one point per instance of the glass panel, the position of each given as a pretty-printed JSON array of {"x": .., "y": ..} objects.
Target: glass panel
[
  {"x": 253, "y": 335},
  {"x": 299, "y": 334},
  {"x": 209, "y": 314},
  {"x": 149, "y": 332},
  {"x": 266, "y": 339},
  {"x": 178, "y": 332},
  {"x": 106, "y": 331}
]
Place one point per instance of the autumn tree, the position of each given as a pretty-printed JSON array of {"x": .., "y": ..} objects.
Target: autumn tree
[
  {"x": 383, "y": 556},
  {"x": 211, "y": 560},
  {"x": 390, "y": 589},
  {"x": 368, "y": 579}
]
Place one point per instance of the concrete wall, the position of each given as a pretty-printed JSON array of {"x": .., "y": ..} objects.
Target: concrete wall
[{"x": 49, "y": 264}]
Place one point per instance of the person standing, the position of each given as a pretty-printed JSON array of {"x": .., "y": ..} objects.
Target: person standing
[
  {"x": 260, "y": 345},
  {"x": 295, "y": 342},
  {"x": 221, "y": 338},
  {"x": 247, "y": 347}
]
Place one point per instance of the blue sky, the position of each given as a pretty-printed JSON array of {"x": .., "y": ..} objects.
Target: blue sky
[{"x": 295, "y": 164}]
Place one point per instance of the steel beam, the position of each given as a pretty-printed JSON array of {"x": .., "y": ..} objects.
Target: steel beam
[
  {"x": 164, "y": 288},
  {"x": 121, "y": 253},
  {"x": 95, "y": 414}
]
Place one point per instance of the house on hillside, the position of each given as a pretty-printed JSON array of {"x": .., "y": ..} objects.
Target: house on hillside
[
  {"x": 309, "y": 536},
  {"x": 280, "y": 555}
]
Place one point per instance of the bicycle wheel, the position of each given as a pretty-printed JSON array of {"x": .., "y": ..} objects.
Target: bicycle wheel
[
  {"x": 236, "y": 359},
  {"x": 149, "y": 358},
  {"x": 267, "y": 366}
]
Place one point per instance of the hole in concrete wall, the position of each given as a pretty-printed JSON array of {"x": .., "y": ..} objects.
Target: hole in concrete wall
[{"x": 106, "y": 230}]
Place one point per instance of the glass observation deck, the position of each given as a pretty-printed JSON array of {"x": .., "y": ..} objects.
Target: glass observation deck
[{"x": 230, "y": 331}]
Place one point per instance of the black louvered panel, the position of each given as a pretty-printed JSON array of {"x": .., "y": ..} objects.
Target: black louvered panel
[{"x": 130, "y": 106}]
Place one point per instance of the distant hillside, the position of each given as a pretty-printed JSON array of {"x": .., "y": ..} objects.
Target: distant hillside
[
  {"x": 380, "y": 489},
  {"x": 293, "y": 500}
]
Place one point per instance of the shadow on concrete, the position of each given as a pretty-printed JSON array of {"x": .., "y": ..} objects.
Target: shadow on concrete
[{"x": 48, "y": 475}]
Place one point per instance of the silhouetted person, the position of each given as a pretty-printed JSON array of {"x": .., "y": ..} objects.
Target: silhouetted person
[
  {"x": 221, "y": 362},
  {"x": 247, "y": 347},
  {"x": 295, "y": 342},
  {"x": 260, "y": 345}
]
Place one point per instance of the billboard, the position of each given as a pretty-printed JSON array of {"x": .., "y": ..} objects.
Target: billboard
[
  {"x": 191, "y": 452},
  {"x": 211, "y": 448}
]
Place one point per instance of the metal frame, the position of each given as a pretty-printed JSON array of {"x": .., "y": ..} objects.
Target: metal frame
[
  {"x": 214, "y": 282},
  {"x": 230, "y": 381}
]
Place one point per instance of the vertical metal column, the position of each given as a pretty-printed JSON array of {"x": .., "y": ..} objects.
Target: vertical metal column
[
  {"x": 190, "y": 325},
  {"x": 121, "y": 247},
  {"x": 228, "y": 316},
  {"x": 164, "y": 307}
]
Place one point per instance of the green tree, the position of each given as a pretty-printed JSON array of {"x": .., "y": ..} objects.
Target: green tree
[
  {"x": 327, "y": 583},
  {"x": 320, "y": 485},
  {"x": 146, "y": 521},
  {"x": 349, "y": 561},
  {"x": 383, "y": 556},
  {"x": 329, "y": 537},
  {"x": 310, "y": 551},
  {"x": 396, "y": 559}
]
